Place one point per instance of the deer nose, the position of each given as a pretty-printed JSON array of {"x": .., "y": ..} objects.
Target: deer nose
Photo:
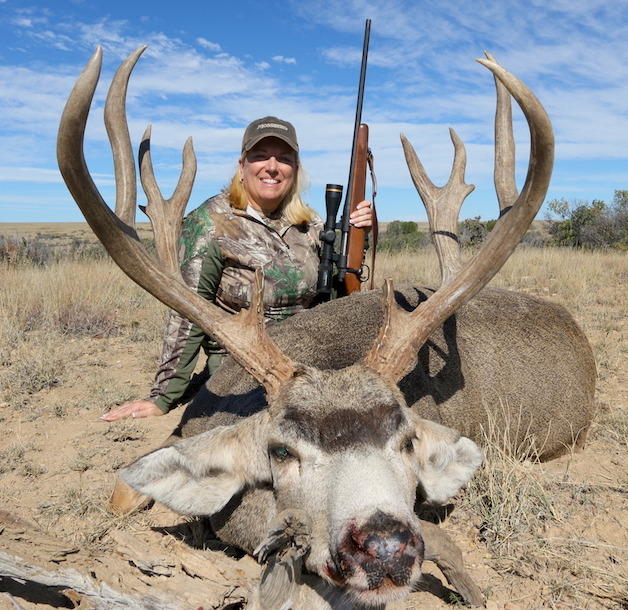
[
  {"x": 382, "y": 548},
  {"x": 386, "y": 547}
]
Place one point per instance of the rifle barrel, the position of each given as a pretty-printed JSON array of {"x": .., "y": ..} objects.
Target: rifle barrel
[{"x": 356, "y": 126}]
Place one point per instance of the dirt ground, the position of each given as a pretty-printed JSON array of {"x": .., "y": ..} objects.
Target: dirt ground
[{"x": 57, "y": 468}]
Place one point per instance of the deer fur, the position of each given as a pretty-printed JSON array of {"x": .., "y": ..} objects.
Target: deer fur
[{"x": 507, "y": 358}]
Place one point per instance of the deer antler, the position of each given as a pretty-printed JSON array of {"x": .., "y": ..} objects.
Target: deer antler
[
  {"x": 243, "y": 335},
  {"x": 504, "y": 170},
  {"x": 442, "y": 204},
  {"x": 395, "y": 351}
]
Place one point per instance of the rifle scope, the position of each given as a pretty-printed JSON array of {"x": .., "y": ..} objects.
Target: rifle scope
[{"x": 333, "y": 197}]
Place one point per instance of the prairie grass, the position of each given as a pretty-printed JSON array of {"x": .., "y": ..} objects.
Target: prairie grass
[
  {"x": 506, "y": 494},
  {"x": 579, "y": 278},
  {"x": 35, "y": 364},
  {"x": 42, "y": 309},
  {"x": 518, "y": 506},
  {"x": 91, "y": 298}
]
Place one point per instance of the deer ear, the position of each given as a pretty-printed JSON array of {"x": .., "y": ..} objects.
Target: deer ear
[
  {"x": 200, "y": 474},
  {"x": 446, "y": 460}
]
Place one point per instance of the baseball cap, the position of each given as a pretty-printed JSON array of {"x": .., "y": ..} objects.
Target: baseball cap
[{"x": 269, "y": 126}]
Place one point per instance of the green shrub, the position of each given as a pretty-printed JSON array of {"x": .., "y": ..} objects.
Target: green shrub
[
  {"x": 402, "y": 235},
  {"x": 401, "y": 227},
  {"x": 591, "y": 225}
]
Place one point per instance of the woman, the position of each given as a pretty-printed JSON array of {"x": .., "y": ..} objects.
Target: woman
[{"x": 258, "y": 221}]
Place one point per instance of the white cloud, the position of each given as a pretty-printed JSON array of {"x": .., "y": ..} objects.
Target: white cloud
[
  {"x": 23, "y": 22},
  {"x": 21, "y": 199},
  {"x": 421, "y": 79},
  {"x": 208, "y": 44},
  {"x": 284, "y": 60},
  {"x": 29, "y": 174}
]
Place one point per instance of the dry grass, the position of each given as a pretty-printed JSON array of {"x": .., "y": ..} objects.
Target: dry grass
[
  {"x": 44, "y": 309},
  {"x": 91, "y": 298},
  {"x": 85, "y": 503},
  {"x": 518, "y": 507}
]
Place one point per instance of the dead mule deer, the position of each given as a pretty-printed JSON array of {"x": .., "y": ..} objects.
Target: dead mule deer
[{"x": 315, "y": 459}]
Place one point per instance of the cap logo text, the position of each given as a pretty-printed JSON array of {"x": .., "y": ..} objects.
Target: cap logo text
[{"x": 272, "y": 126}]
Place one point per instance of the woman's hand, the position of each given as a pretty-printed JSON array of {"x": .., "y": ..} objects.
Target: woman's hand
[
  {"x": 362, "y": 216},
  {"x": 135, "y": 408}
]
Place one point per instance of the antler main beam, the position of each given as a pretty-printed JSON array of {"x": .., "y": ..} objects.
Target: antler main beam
[
  {"x": 243, "y": 335},
  {"x": 395, "y": 351}
]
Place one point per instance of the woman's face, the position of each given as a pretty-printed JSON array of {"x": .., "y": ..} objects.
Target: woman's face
[{"x": 268, "y": 172}]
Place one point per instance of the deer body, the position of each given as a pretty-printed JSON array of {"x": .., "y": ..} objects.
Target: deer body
[{"x": 516, "y": 359}]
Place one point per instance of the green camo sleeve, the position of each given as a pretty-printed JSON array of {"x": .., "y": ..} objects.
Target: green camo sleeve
[{"x": 179, "y": 387}]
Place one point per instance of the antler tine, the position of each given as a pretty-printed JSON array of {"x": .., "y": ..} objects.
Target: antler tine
[
  {"x": 166, "y": 215},
  {"x": 442, "y": 204},
  {"x": 250, "y": 346},
  {"x": 504, "y": 172},
  {"x": 118, "y": 133},
  {"x": 402, "y": 334}
]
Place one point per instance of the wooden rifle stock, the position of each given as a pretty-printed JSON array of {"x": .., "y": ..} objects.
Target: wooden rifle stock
[{"x": 356, "y": 240}]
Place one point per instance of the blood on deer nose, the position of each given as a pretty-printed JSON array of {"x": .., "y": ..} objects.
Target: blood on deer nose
[
  {"x": 384, "y": 538},
  {"x": 384, "y": 549}
]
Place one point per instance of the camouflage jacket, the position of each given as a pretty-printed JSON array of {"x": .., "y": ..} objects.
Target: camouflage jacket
[{"x": 220, "y": 249}]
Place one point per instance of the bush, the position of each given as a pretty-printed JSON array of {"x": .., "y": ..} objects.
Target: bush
[
  {"x": 490, "y": 224},
  {"x": 402, "y": 235},
  {"x": 401, "y": 227},
  {"x": 591, "y": 225}
]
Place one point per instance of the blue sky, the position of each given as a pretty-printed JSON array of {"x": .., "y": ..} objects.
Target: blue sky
[{"x": 212, "y": 66}]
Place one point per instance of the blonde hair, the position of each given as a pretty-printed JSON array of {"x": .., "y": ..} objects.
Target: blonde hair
[{"x": 293, "y": 208}]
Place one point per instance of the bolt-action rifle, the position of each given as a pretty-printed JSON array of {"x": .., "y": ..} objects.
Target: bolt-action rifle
[{"x": 349, "y": 262}]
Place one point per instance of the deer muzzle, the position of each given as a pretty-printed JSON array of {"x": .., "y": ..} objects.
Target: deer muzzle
[{"x": 379, "y": 559}]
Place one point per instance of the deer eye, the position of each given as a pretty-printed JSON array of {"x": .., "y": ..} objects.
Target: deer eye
[
  {"x": 407, "y": 446},
  {"x": 280, "y": 453}
]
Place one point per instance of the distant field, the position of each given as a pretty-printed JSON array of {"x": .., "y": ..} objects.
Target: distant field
[
  {"x": 58, "y": 230},
  {"x": 82, "y": 231}
]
